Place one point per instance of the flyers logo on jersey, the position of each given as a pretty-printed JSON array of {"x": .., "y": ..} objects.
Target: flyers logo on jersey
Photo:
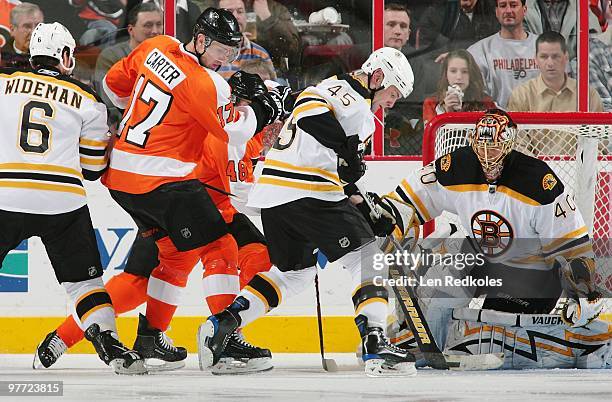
[
  {"x": 549, "y": 182},
  {"x": 164, "y": 69},
  {"x": 445, "y": 163}
]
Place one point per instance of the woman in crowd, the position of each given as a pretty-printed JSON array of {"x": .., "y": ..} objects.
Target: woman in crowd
[{"x": 460, "y": 89}]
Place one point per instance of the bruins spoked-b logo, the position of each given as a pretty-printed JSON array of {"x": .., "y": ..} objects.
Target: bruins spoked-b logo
[{"x": 492, "y": 232}]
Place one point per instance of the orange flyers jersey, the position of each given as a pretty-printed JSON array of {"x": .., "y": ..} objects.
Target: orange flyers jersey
[
  {"x": 172, "y": 104},
  {"x": 230, "y": 168}
]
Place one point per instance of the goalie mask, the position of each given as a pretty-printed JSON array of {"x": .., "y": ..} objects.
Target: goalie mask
[
  {"x": 492, "y": 141},
  {"x": 395, "y": 66},
  {"x": 52, "y": 40}
]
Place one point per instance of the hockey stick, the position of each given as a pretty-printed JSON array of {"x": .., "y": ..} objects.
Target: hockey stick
[
  {"x": 409, "y": 305},
  {"x": 415, "y": 318},
  {"x": 328, "y": 364}
]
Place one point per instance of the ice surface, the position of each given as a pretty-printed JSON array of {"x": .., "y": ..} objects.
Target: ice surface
[{"x": 299, "y": 377}]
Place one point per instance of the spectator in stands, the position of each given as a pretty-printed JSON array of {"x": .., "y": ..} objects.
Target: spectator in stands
[
  {"x": 5, "y": 20},
  {"x": 553, "y": 90},
  {"x": 506, "y": 59},
  {"x": 144, "y": 21},
  {"x": 459, "y": 25},
  {"x": 187, "y": 12},
  {"x": 102, "y": 18},
  {"x": 558, "y": 16},
  {"x": 259, "y": 67},
  {"x": 249, "y": 50},
  {"x": 600, "y": 70},
  {"x": 275, "y": 31},
  {"x": 403, "y": 123},
  {"x": 460, "y": 89},
  {"x": 24, "y": 18}
]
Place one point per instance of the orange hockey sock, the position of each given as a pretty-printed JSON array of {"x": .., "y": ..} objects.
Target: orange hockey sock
[
  {"x": 70, "y": 332},
  {"x": 127, "y": 291},
  {"x": 252, "y": 259}
]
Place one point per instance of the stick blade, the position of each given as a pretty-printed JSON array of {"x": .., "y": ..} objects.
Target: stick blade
[
  {"x": 487, "y": 361},
  {"x": 329, "y": 365}
]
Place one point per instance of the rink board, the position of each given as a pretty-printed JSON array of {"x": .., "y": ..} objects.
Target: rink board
[{"x": 32, "y": 303}]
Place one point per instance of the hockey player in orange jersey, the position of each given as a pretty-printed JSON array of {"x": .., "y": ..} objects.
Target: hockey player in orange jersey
[
  {"x": 173, "y": 101},
  {"x": 224, "y": 167}
]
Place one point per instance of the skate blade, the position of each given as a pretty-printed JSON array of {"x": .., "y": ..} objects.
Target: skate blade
[
  {"x": 229, "y": 366},
  {"x": 136, "y": 368},
  {"x": 157, "y": 365},
  {"x": 37, "y": 364},
  {"x": 378, "y": 368},
  {"x": 205, "y": 355},
  {"x": 487, "y": 361}
]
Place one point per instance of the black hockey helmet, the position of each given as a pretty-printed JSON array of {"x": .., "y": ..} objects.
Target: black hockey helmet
[
  {"x": 246, "y": 85},
  {"x": 219, "y": 25}
]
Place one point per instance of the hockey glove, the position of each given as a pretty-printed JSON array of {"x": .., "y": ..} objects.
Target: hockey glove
[
  {"x": 381, "y": 219},
  {"x": 585, "y": 302},
  {"x": 268, "y": 108},
  {"x": 246, "y": 85},
  {"x": 351, "y": 166},
  {"x": 576, "y": 277},
  {"x": 287, "y": 100},
  {"x": 580, "y": 312},
  {"x": 107, "y": 8}
]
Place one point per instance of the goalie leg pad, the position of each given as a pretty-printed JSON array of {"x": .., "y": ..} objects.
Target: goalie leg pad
[{"x": 553, "y": 345}]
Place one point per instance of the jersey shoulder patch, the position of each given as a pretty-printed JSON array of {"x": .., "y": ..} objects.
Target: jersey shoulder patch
[
  {"x": 459, "y": 167},
  {"x": 532, "y": 178}
]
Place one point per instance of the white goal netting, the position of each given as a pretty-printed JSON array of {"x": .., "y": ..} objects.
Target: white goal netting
[{"x": 578, "y": 147}]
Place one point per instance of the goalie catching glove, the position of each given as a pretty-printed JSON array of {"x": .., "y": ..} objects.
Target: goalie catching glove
[{"x": 585, "y": 302}]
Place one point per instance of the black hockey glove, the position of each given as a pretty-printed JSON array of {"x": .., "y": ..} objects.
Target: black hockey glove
[
  {"x": 350, "y": 160},
  {"x": 107, "y": 8},
  {"x": 246, "y": 85},
  {"x": 287, "y": 100},
  {"x": 267, "y": 107},
  {"x": 381, "y": 221}
]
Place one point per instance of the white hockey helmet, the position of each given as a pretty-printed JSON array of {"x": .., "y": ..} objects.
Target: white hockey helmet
[
  {"x": 395, "y": 66},
  {"x": 51, "y": 40}
]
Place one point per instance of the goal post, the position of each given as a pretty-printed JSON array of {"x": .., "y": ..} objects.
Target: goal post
[{"x": 576, "y": 145}]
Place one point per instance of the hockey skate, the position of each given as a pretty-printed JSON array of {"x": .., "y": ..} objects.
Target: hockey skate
[
  {"x": 112, "y": 352},
  {"x": 382, "y": 359},
  {"x": 215, "y": 333},
  {"x": 157, "y": 349},
  {"x": 48, "y": 351},
  {"x": 240, "y": 357}
]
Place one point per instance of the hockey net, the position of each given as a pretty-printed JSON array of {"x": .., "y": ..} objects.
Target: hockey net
[{"x": 577, "y": 146}]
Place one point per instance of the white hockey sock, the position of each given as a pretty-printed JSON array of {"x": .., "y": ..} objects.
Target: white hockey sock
[
  {"x": 268, "y": 289},
  {"x": 92, "y": 304},
  {"x": 372, "y": 300}
]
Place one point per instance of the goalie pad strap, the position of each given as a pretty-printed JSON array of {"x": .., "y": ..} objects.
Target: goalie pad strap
[{"x": 507, "y": 319}]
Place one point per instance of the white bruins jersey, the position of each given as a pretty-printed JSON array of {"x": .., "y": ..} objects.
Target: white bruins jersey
[
  {"x": 54, "y": 134},
  {"x": 527, "y": 220},
  {"x": 299, "y": 165}
]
